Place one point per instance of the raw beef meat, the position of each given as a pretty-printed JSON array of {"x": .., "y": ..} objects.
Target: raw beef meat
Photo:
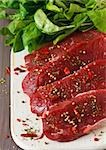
[
  {"x": 75, "y": 117},
  {"x": 92, "y": 40},
  {"x": 90, "y": 77},
  {"x": 65, "y": 65}
]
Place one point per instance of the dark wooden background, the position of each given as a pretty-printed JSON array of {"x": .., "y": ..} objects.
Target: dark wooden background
[{"x": 6, "y": 142}]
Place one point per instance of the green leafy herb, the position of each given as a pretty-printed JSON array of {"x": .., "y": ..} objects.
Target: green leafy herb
[
  {"x": 36, "y": 22},
  {"x": 78, "y": 20},
  {"x": 2, "y": 14},
  {"x": 18, "y": 44},
  {"x": 30, "y": 33},
  {"x": 45, "y": 25},
  {"x": 98, "y": 17},
  {"x": 50, "y": 6}
]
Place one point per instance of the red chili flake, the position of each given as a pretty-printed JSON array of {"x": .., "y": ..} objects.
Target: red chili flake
[
  {"x": 74, "y": 129},
  {"x": 96, "y": 139},
  {"x": 22, "y": 66},
  {"x": 77, "y": 113},
  {"x": 29, "y": 135},
  {"x": 87, "y": 129},
  {"x": 8, "y": 70},
  {"x": 19, "y": 69},
  {"x": 90, "y": 75},
  {"x": 16, "y": 73},
  {"x": 24, "y": 124},
  {"x": 44, "y": 114},
  {"x": 66, "y": 71},
  {"x": 19, "y": 120},
  {"x": 45, "y": 51},
  {"x": 83, "y": 80}
]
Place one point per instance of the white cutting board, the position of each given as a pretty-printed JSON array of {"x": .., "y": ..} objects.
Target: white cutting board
[{"x": 22, "y": 111}]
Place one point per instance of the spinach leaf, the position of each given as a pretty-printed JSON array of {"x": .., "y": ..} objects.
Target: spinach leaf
[
  {"x": 5, "y": 31},
  {"x": 23, "y": 1},
  {"x": 2, "y": 14},
  {"x": 98, "y": 17},
  {"x": 18, "y": 44},
  {"x": 30, "y": 32},
  {"x": 17, "y": 25},
  {"x": 35, "y": 22},
  {"x": 50, "y": 6},
  {"x": 45, "y": 25},
  {"x": 10, "y": 4},
  {"x": 78, "y": 20},
  {"x": 74, "y": 8},
  {"x": 9, "y": 40},
  {"x": 34, "y": 45},
  {"x": 61, "y": 4},
  {"x": 100, "y": 4},
  {"x": 90, "y": 4},
  {"x": 23, "y": 12}
]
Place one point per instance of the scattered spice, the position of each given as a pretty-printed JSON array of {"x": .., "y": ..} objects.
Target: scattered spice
[
  {"x": 45, "y": 51},
  {"x": 96, "y": 139},
  {"x": 66, "y": 71},
  {"x": 16, "y": 73},
  {"x": 19, "y": 69},
  {"x": 22, "y": 66},
  {"x": 46, "y": 143},
  {"x": 58, "y": 46},
  {"x": 23, "y": 121},
  {"x": 8, "y": 70},
  {"x": 23, "y": 102},
  {"x": 18, "y": 92},
  {"x": 19, "y": 120},
  {"x": 2, "y": 80},
  {"x": 24, "y": 124},
  {"x": 100, "y": 135},
  {"x": 29, "y": 135}
]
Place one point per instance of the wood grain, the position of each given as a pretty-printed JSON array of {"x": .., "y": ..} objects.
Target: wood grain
[{"x": 6, "y": 142}]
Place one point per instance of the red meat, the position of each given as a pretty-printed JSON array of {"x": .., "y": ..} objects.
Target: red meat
[
  {"x": 51, "y": 53},
  {"x": 68, "y": 64},
  {"x": 90, "y": 77},
  {"x": 70, "y": 120}
]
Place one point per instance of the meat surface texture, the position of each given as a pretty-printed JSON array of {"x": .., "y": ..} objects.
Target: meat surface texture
[
  {"x": 83, "y": 51},
  {"x": 90, "y": 77},
  {"x": 74, "y": 118},
  {"x": 91, "y": 40}
]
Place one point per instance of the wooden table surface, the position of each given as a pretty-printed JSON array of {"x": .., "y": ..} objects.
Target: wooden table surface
[{"x": 6, "y": 142}]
